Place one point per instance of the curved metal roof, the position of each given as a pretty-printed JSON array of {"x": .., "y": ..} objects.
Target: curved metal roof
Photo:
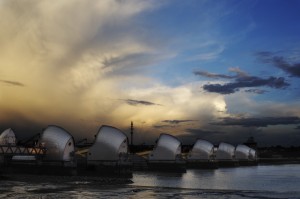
[
  {"x": 225, "y": 151},
  {"x": 8, "y": 137},
  {"x": 253, "y": 154},
  {"x": 58, "y": 142},
  {"x": 167, "y": 148},
  {"x": 110, "y": 142},
  {"x": 202, "y": 149},
  {"x": 242, "y": 152}
]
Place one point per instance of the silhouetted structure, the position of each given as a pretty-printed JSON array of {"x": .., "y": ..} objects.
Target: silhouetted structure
[
  {"x": 131, "y": 133},
  {"x": 251, "y": 143}
]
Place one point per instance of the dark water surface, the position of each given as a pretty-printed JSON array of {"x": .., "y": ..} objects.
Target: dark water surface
[{"x": 275, "y": 181}]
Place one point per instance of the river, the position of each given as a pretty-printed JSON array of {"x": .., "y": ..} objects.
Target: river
[{"x": 263, "y": 181}]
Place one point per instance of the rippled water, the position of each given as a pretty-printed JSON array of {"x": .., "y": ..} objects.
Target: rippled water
[{"x": 278, "y": 181}]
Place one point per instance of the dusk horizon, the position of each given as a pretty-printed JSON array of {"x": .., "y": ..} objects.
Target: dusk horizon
[{"x": 216, "y": 70}]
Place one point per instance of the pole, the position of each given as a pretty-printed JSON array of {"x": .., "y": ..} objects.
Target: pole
[{"x": 131, "y": 133}]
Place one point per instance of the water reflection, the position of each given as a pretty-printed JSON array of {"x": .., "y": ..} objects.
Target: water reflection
[
  {"x": 197, "y": 178},
  {"x": 281, "y": 181},
  {"x": 271, "y": 178},
  {"x": 158, "y": 179}
]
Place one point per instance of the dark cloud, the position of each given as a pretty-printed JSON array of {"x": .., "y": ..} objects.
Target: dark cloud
[
  {"x": 256, "y": 91},
  {"x": 280, "y": 62},
  {"x": 238, "y": 74},
  {"x": 297, "y": 128},
  {"x": 139, "y": 102},
  {"x": 171, "y": 123},
  {"x": 213, "y": 75},
  {"x": 162, "y": 126},
  {"x": 203, "y": 132},
  {"x": 246, "y": 82},
  {"x": 12, "y": 83},
  {"x": 258, "y": 122},
  {"x": 177, "y": 121},
  {"x": 218, "y": 88},
  {"x": 241, "y": 80}
]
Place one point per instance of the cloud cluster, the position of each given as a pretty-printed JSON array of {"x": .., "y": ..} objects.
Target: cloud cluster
[
  {"x": 281, "y": 62},
  {"x": 59, "y": 43},
  {"x": 241, "y": 80},
  {"x": 80, "y": 70},
  {"x": 70, "y": 57}
]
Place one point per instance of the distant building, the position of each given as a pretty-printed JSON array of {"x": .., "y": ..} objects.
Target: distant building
[{"x": 251, "y": 143}]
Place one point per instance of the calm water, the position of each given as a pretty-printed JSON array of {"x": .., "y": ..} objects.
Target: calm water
[{"x": 278, "y": 181}]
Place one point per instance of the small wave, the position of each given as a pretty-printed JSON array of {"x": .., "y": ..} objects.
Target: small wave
[{"x": 218, "y": 193}]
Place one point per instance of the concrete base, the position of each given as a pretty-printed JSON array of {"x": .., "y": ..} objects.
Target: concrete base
[
  {"x": 202, "y": 164},
  {"x": 247, "y": 163},
  {"x": 38, "y": 168},
  {"x": 228, "y": 163},
  {"x": 170, "y": 166}
]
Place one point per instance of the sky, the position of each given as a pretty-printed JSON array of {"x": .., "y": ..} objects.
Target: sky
[{"x": 215, "y": 70}]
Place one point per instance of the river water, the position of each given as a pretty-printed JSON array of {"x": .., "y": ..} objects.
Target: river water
[{"x": 270, "y": 181}]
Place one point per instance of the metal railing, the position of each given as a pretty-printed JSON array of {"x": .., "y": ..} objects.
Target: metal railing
[{"x": 20, "y": 150}]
